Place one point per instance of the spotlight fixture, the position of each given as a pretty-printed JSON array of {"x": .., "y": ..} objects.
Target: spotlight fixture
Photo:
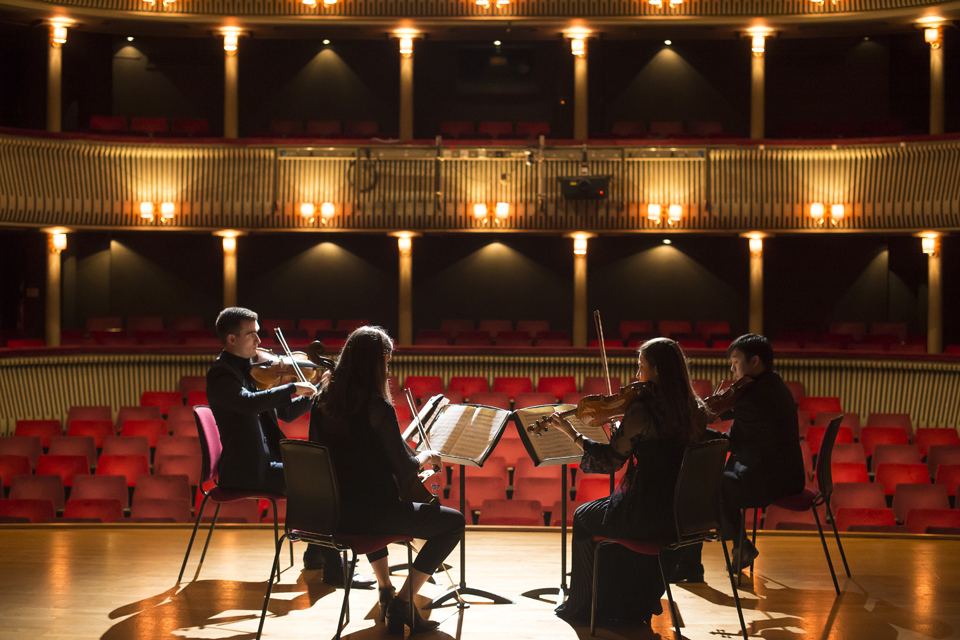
[
  {"x": 667, "y": 241},
  {"x": 329, "y": 3},
  {"x": 656, "y": 3},
  {"x": 496, "y": 43},
  {"x": 757, "y": 45},
  {"x": 404, "y": 244},
  {"x": 230, "y": 40},
  {"x": 406, "y": 46},
  {"x": 668, "y": 42},
  {"x": 310, "y": 3},
  {"x": 326, "y": 42},
  {"x": 59, "y": 34},
  {"x": 129, "y": 38},
  {"x": 229, "y": 244}
]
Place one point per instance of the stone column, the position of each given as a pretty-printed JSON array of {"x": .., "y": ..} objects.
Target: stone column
[
  {"x": 581, "y": 125},
  {"x": 934, "y": 298},
  {"x": 54, "y": 79},
  {"x": 936, "y": 88},
  {"x": 53, "y": 288},
  {"x": 756, "y": 286},
  {"x": 580, "y": 315},
  {"x": 406, "y": 92},
  {"x": 757, "y": 69},
  {"x": 231, "y": 126},
  {"x": 229, "y": 271},
  {"x": 405, "y": 320}
]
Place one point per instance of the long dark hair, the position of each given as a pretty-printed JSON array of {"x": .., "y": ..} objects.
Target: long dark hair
[
  {"x": 680, "y": 404},
  {"x": 360, "y": 374}
]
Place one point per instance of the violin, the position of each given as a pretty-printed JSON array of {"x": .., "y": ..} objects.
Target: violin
[
  {"x": 719, "y": 403},
  {"x": 270, "y": 370},
  {"x": 416, "y": 491},
  {"x": 597, "y": 410}
]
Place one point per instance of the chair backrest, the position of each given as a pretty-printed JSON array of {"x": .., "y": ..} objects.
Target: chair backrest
[
  {"x": 313, "y": 496},
  {"x": 696, "y": 501},
  {"x": 210, "y": 446},
  {"x": 825, "y": 457}
]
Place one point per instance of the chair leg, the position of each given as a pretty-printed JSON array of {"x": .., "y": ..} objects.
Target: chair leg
[
  {"x": 192, "y": 536},
  {"x": 410, "y": 564},
  {"x": 290, "y": 542},
  {"x": 670, "y": 602},
  {"x": 836, "y": 534},
  {"x": 213, "y": 523},
  {"x": 826, "y": 551},
  {"x": 756, "y": 519},
  {"x": 596, "y": 588},
  {"x": 344, "y": 608},
  {"x": 733, "y": 585},
  {"x": 274, "y": 568},
  {"x": 743, "y": 536},
  {"x": 276, "y": 536}
]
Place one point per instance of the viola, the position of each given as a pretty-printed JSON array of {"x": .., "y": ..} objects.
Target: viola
[
  {"x": 597, "y": 410},
  {"x": 719, "y": 403},
  {"x": 270, "y": 370}
]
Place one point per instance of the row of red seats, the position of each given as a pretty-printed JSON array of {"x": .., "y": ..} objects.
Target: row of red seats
[
  {"x": 490, "y": 129},
  {"x": 323, "y": 129},
  {"x": 841, "y": 129},
  {"x": 666, "y": 129},
  {"x": 149, "y": 126}
]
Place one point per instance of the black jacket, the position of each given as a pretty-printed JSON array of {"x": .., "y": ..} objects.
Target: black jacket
[
  {"x": 765, "y": 437},
  {"x": 247, "y": 420}
]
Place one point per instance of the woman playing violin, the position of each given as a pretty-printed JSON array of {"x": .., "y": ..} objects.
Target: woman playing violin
[
  {"x": 377, "y": 471},
  {"x": 650, "y": 440}
]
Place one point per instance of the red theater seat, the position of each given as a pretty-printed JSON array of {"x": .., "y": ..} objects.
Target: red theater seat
[
  {"x": 894, "y": 453},
  {"x": 462, "y": 129},
  {"x": 43, "y": 429},
  {"x": 513, "y": 339},
  {"x": 670, "y": 327},
  {"x": 101, "y": 488},
  {"x": 67, "y": 467},
  {"x": 310, "y": 327},
  {"x": 473, "y": 339},
  {"x": 129, "y": 466},
  {"x": 422, "y": 386},
  {"x": 533, "y": 129},
  {"x": 622, "y": 129},
  {"x": 891, "y": 474},
  {"x": 919, "y": 496},
  {"x": 108, "y": 124},
  {"x": 703, "y": 388},
  {"x": 597, "y": 385},
  {"x": 592, "y": 487},
  {"x": 858, "y": 494},
  {"x": 499, "y": 399},
  {"x": 149, "y": 126},
  {"x": 850, "y": 472},
  {"x": 871, "y": 436},
  {"x": 607, "y": 343},
  {"x": 478, "y": 490},
  {"x": 38, "y": 488},
  {"x": 628, "y": 327},
  {"x": 524, "y": 469},
  {"x": 89, "y": 413},
  {"x": 126, "y": 446},
  {"x": 815, "y": 437},
  {"x": 152, "y": 430},
  {"x": 189, "y": 128},
  {"x": 137, "y": 413},
  {"x": 815, "y": 404},
  {"x": 102, "y": 510},
  {"x": 524, "y": 400},
  {"x": 29, "y": 446},
  {"x": 163, "y": 400},
  {"x": 495, "y": 129},
  {"x": 557, "y": 385},
  {"x": 455, "y": 327},
  {"x": 849, "y": 516},
  {"x": 13, "y": 466},
  {"x": 526, "y": 513},
  {"x": 160, "y": 510},
  {"x": 494, "y": 327},
  {"x": 32, "y": 511},
  {"x": 898, "y": 420},
  {"x": 195, "y": 398},
  {"x": 940, "y": 454},
  {"x": 178, "y": 446},
  {"x": 706, "y": 129},
  {"x": 299, "y": 429},
  {"x": 362, "y": 129},
  {"x": 666, "y": 129},
  {"x": 919, "y": 520},
  {"x": 707, "y": 329},
  {"x": 533, "y": 327},
  {"x": 25, "y": 344},
  {"x": 172, "y": 465},
  {"x": 512, "y": 385},
  {"x": 324, "y": 128},
  {"x": 192, "y": 383},
  {"x": 511, "y": 449},
  {"x": 926, "y": 438},
  {"x": 949, "y": 476},
  {"x": 848, "y": 452},
  {"x": 167, "y": 487},
  {"x": 468, "y": 385},
  {"x": 493, "y": 467},
  {"x": 433, "y": 337},
  {"x": 75, "y": 446},
  {"x": 850, "y": 419}
]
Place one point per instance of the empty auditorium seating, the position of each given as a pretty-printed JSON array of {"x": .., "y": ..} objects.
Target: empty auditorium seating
[
  {"x": 608, "y": 343},
  {"x": 557, "y": 385},
  {"x": 171, "y": 465},
  {"x": 468, "y": 385},
  {"x": 510, "y": 448},
  {"x": 918, "y": 496},
  {"x": 921, "y": 520},
  {"x": 513, "y": 339},
  {"x": 891, "y": 474},
  {"x": 148, "y": 126},
  {"x": 129, "y": 466},
  {"x": 362, "y": 129},
  {"x": 126, "y": 446},
  {"x": 594, "y": 385},
  {"x": 478, "y": 489},
  {"x": 499, "y": 399},
  {"x": 25, "y": 344},
  {"x": 850, "y": 419},
  {"x": 590, "y": 487},
  {"x": 104, "y": 510},
  {"x": 495, "y": 129},
  {"x": 432, "y": 337},
  {"x": 38, "y": 488},
  {"x": 161, "y": 399},
  {"x": 108, "y": 124},
  {"x": 871, "y": 436},
  {"x": 949, "y": 476},
  {"x": 89, "y": 413},
  {"x": 850, "y": 516},
  {"x": 632, "y": 327},
  {"x": 43, "y": 429},
  {"x": 463, "y": 129},
  {"x": 493, "y": 327},
  {"x": 894, "y": 453},
  {"x": 925, "y": 438},
  {"x": 454, "y": 327},
  {"x": 850, "y": 472},
  {"x": 167, "y": 487},
  {"x": 815, "y": 404},
  {"x": 515, "y": 512},
  {"x": 666, "y": 129},
  {"x": 13, "y": 466},
  {"x": 797, "y": 391},
  {"x": 493, "y": 467},
  {"x": 189, "y": 127},
  {"x": 473, "y": 339},
  {"x": 848, "y": 452},
  {"x": 28, "y": 446},
  {"x": 27, "y": 510},
  {"x": 533, "y": 129},
  {"x": 75, "y": 446},
  {"x": 323, "y": 128},
  {"x": 939, "y": 454},
  {"x": 622, "y": 129},
  {"x": 512, "y": 385},
  {"x": 858, "y": 494},
  {"x": 533, "y": 327},
  {"x": 707, "y": 129},
  {"x": 67, "y": 467},
  {"x": 555, "y": 338},
  {"x": 178, "y": 446},
  {"x": 544, "y": 490},
  {"x": 192, "y": 383},
  {"x": 195, "y": 398},
  {"x": 160, "y": 510},
  {"x": 815, "y": 436},
  {"x": 422, "y": 386},
  {"x": 524, "y": 468},
  {"x": 524, "y": 400},
  {"x": 900, "y": 420},
  {"x": 152, "y": 430}
]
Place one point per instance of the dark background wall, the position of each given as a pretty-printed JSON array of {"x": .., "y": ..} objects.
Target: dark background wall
[
  {"x": 808, "y": 79},
  {"x": 809, "y": 281}
]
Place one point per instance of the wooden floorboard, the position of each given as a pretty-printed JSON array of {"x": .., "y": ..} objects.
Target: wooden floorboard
[{"x": 118, "y": 584}]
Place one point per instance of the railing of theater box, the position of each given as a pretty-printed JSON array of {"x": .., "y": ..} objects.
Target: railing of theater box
[
  {"x": 100, "y": 184},
  {"x": 516, "y": 8},
  {"x": 44, "y": 387}
]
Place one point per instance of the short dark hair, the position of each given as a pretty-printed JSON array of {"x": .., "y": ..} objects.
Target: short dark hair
[
  {"x": 753, "y": 345},
  {"x": 230, "y": 320}
]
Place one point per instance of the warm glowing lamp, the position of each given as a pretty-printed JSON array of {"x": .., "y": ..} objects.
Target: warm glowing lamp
[
  {"x": 580, "y": 246},
  {"x": 816, "y": 211},
  {"x": 656, "y": 3},
  {"x": 502, "y": 210},
  {"x": 406, "y": 46},
  {"x": 59, "y": 36},
  {"x": 329, "y": 2},
  {"x": 146, "y": 210},
  {"x": 404, "y": 243},
  {"x": 578, "y": 46},
  {"x": 59, "y": 242},
  {"x": 167, "y": 210},
  {"x": 327, "y": 210},
  {"x": 308, "y": 209},
  {"x": 929, "y": 245},
  {"x": 229, "y": 244},
  {"x": 483, "y": 3},
  {"x": 502, "y": 3},
  {"x": 674, "y": 213},
  {"x": 757, "y": 45},
  {"x": 230, "y": 39},
  {"x": 932, "y": 36},
  {"x": 310, "y": 3},
  {"x": 756, "y": 245},
  {"x": 479, "y": 210},
  {"x": 674, "y": 3},
  {"x": 836, "y": 212},
  {"x": 653, "y": 213}
]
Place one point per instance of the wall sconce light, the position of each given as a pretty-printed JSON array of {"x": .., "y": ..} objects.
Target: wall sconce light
[
  {"x": 836, "y": 213},
  {"x": 757, "y": 45},
  {"x": 229, "y": 244},
  {"x": 580, "y": 245},
  {"x": 230, "y": 40},
  {"x": 167, "y": 210},
  {"x": 756, "y": 245},
  {"x": 674, "y": 3},
  {"x": 406, "y": 46},
  {"x": 404, "y": 244},
  {"x": 58, "y": 34},
  {"x": 653, "y": 213},
  {"x": 930, "y": 245},
  {"x": 310, "y": 3},
  {"x": 59, "y": 242},
  {"x": 502, "y": 3},
  {"x": 329, "y": 3},
  {"x": 327, "y": 211},
  {"x": 483, "y": 3},
  {"x": 502, "y": 210},
  {"x": 656, "y": 3},
  {"x": 816, "y": 211},
  {"x": 146, "y": 210},
  {"x": 674, "y": 213},
  {"x": 578, "y": 46},
  {"x": 480, "y": 211},
  {"x": 308, "y": 209},
  {"x": 932, "y": 36}
]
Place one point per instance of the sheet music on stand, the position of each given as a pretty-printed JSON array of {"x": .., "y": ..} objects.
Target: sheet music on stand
[
  {"x": 463, "y": 434},
  {"x": 552, "y": 447}
]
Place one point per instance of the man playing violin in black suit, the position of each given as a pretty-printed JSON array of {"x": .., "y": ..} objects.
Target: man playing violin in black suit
[
  {"x": 247, "y": 419},
  {"x": 765, "y": 462}
]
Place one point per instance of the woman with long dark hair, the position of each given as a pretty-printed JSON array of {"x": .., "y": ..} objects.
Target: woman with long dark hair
[
  {"x": 375, "y": 469},
  {"x": 651, "y": 439}
]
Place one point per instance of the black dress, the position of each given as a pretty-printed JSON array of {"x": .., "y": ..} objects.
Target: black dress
[{"x": 641, "y": 507}]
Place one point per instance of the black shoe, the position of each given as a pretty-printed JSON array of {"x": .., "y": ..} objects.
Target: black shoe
[
  {"x": 335, "y": 579},
  {"x": 744, "y": 556},
  {"x": 387, "y": 594},
  {"x": 687, "y": 573},
  {"x": 312, "y": 561},
  {"x": 398, "y": 616}
]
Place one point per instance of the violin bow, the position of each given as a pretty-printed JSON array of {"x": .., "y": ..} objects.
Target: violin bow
[
  {"x": 603, "y": 351},
  {"x": 286, "y": 349},
  {"x": 416, "y": 416}
]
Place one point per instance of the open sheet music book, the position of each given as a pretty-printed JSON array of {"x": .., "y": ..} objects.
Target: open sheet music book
[
  {"x": 553, "y": 447},
  {"x": 463, "y": 433}
]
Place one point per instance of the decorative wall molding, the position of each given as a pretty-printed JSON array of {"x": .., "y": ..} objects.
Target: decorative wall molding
[{"x": 888, "y": 187}]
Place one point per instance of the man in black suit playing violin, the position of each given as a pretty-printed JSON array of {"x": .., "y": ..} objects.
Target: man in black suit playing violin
[{"x": 247, "y": 419}]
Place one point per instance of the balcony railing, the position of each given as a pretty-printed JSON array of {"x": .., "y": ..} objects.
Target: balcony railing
[{"x": 83, "y": 183}]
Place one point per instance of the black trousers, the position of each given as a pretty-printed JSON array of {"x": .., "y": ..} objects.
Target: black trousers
[
  {"x": 630, "y": 584},
  {"x": 441, "y": 527}
]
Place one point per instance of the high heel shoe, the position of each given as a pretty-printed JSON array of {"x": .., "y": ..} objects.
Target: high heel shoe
[
  {"x": 387, "y": 595},
  {"x": 398, "y": 615}
]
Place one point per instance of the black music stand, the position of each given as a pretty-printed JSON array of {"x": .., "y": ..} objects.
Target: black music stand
[
  {"x": 538, "y": 594},
  {"x": 463, "y": 589}
]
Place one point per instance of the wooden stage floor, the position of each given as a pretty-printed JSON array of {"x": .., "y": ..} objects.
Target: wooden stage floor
[{"x": 117, "y": 583}]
